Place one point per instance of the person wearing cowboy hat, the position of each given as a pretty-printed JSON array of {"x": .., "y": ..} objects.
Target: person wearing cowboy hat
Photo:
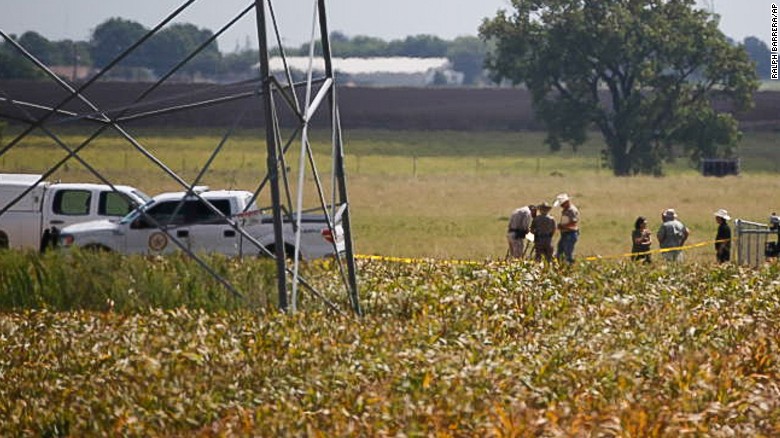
[
  {"x": 543, "y": 227},
  {"x": 723, "y": 237},
  {"x": 569, "y": 227},
  {"x": 672, "y": 234}
]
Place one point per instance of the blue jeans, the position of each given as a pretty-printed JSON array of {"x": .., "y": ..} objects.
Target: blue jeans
[{"x": 566, "y": 245}]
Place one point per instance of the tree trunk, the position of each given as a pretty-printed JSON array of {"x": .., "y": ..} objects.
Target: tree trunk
[{"x": 621, "y": 162}]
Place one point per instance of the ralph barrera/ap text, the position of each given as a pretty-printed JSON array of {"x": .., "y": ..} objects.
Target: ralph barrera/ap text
[{"x": 773, "y": 54}]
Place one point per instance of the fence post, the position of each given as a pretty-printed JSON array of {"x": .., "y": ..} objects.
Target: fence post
[{"x": 738, "y": 240}]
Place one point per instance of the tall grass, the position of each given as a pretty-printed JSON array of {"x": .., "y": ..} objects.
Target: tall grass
[{"x": 83, "y": 280}]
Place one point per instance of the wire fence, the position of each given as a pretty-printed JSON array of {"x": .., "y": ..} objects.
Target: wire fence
[{"x": 360, "y": 164}]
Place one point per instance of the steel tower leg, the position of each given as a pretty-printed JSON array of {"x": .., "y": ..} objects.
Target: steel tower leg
[
  {"x": 339, "y": 164},
  {"x": 272, "y": 161}
]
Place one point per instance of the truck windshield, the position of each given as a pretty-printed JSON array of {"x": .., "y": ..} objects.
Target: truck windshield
[
  {"x": 135, "y": 213},
  {"x": 142, "y": 195}
]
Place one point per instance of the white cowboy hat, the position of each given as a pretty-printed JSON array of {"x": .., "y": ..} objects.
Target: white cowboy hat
[
  {"x": 670, "y": 213},
  {"x": 560, "y": 199},
  {"x": 723, "y": 213}
]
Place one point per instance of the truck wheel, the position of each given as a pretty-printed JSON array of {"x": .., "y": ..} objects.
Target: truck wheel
[
  {"x": 3, "y": 240},
  {"x": 289, "y": 250}
]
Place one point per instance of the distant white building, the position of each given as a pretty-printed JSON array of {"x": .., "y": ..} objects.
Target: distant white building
[{"x": 392, "y": 71}]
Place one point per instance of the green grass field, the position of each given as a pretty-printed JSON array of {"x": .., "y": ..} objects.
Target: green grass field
[{"x": 452, "y": 190}]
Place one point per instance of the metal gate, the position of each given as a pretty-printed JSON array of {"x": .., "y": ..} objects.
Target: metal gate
[{"x": 754, "y": 241}]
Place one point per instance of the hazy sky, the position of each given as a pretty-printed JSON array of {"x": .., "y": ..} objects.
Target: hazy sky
[{"x": 386, "y": 19}]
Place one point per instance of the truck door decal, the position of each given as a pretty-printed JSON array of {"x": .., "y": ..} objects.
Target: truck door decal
[{"x": 158, "y": 241}]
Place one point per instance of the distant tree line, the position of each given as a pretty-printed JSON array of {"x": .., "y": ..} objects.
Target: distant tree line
[
  {"x": 168, "y": 47},
  {"x": 110, "y": 39},
  {"x": 174, "y": 43}
]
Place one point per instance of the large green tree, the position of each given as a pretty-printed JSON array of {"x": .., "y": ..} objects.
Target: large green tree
[
  {"x": 467, "y": 54},
  {"x": 174, "y": 43},
  {"x": 13, "y": 65},
  {"x": 114, "y": 36},
  {"x": 760, "y": 54},
  {"x": 644, "y": 72},
  {"x": 63, "y": 52},
  {"x": 41, "y": 48}
]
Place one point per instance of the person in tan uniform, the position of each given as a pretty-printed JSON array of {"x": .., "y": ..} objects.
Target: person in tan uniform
[
  {"x": 519, "y": 226},
  {"x": 569, "y": 226},
  {"x": 543, "y": 227}
]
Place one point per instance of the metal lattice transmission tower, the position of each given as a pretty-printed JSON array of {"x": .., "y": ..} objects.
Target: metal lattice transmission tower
[{"x": 278, "y": 96}]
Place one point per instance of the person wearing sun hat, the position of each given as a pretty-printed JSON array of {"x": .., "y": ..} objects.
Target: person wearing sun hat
[
  {"x": 569, "y": 226},
  {"x": 723, "y": 237},
  {"x": 672, "y": 234},
  {"x": 543, "y": 228}
]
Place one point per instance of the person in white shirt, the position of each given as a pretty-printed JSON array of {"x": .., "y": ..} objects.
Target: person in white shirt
[{"x": 519, "y": 223}]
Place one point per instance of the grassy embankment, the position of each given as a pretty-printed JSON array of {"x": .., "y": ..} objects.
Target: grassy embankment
[{"x": 448, "y": 194}]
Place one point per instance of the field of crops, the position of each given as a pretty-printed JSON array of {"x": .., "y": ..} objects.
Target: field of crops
[{"x": 485, "y": 349}]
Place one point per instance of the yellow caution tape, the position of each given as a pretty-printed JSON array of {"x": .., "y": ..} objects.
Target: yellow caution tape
[
  {"x": 411, "y": 260},
  {"x": 656, "y": 251}
]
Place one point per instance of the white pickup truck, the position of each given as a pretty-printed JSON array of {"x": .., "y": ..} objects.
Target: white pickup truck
[
  {"x": 201, "y": 229},
  {"x": 34, "y": 220}
]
